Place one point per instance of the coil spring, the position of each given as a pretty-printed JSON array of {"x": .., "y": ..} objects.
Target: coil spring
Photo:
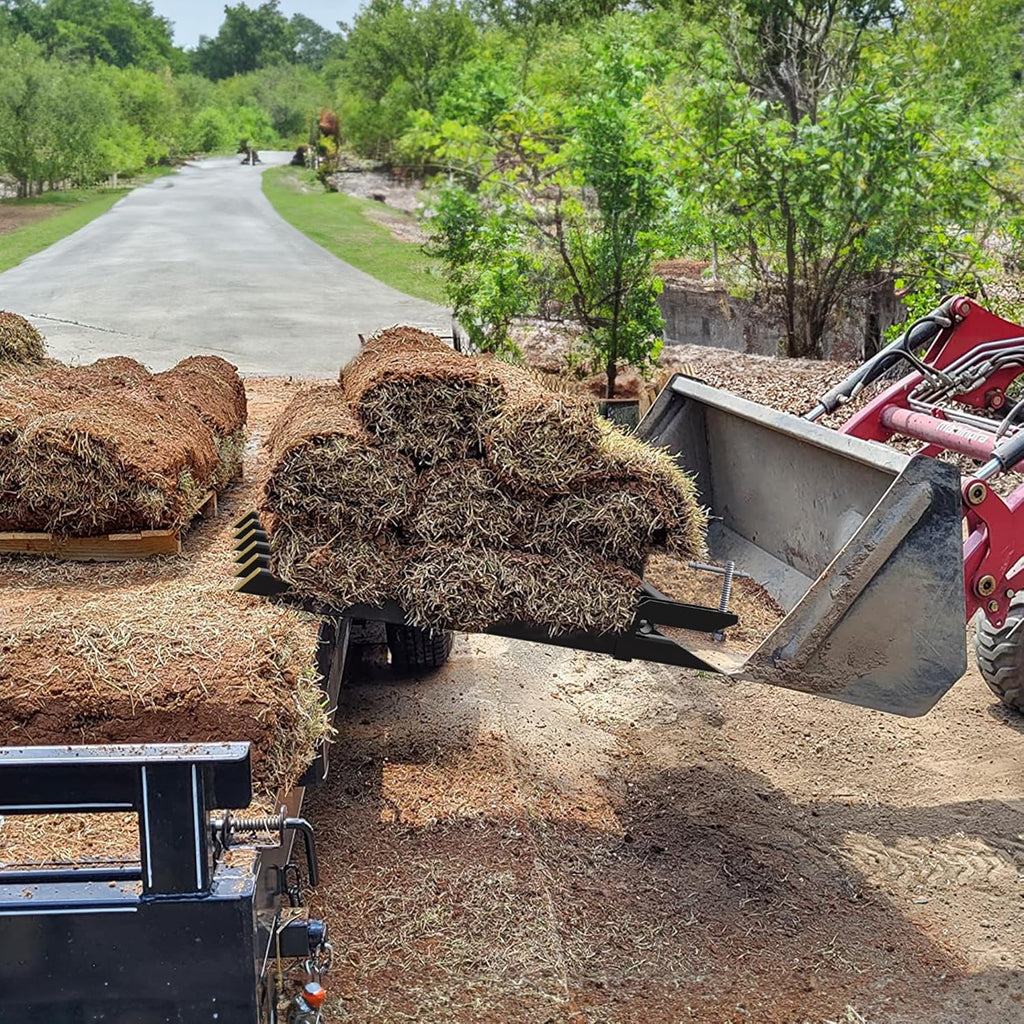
[
  {"x": 730, "y": 569},
  {"x": 268, "y": 823}
]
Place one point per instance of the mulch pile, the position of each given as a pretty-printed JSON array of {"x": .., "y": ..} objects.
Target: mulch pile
[
  {"x": 20, "y": 342},
  {"x": 113, "y": 448},
  {"x": 470, "y": 491}
]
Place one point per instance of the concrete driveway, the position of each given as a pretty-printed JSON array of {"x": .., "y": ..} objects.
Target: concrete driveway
[{"x": 199, "y": 262}]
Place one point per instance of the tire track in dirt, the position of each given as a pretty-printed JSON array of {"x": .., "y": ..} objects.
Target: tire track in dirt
[{"x": 929, "y": 863}]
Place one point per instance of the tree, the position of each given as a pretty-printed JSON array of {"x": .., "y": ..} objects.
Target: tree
[
  {"x": 248, "y": 38},
  {"x": 420, "y": 44},
  {"x": 120, "y": 32},
  {"x": 53, "y": 119},
  {"x": 832, "y": 206},
  {"x": 313, "y": 44},
  {"x": 791, "y": 53},
  {"x": 566, "y": 211}
]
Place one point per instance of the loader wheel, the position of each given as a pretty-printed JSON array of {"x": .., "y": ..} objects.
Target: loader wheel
[
  {"x": 414, "y": 649},
  {"x": 1000, "y": 654}
]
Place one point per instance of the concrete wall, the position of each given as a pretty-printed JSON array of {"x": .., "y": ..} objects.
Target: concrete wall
[{"x": 697, "y": 314}]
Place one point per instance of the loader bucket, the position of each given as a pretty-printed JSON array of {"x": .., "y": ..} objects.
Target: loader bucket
[{"x": 860, "y": 544}]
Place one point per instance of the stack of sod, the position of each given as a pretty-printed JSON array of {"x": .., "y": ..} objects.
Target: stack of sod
[
  {"x": 470, "y": 492},
  {"x": 20, "y": 342},
  {"x": 110, "y": 447},
  {"x": 210, "y": 386}
]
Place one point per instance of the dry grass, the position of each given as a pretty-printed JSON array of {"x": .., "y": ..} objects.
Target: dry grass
[
  {"x": 110, "y": 447},
  {"x": 469, "y": 589},
  {"x": 552, "y": 528},
  {"x": 157, "y": 651},
  {"x": 230, "y": 455},
  {"x": 77, "y": 477},
  {"x": 336, "y": 569},
  {"x": 326, "y": 470},
  {"x": 419, "y": 397},
  {"x": 464, "y": 502},
  {"x": 20, "y": 342},
  {"x": 541, "y": 439}
]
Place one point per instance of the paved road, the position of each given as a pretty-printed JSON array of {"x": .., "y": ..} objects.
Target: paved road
[{"x": 200, "y": 262}]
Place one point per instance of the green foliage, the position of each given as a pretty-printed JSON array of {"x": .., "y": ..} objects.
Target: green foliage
[
  {"x": 119, "y": 32},
  {"x": 568, "y": 211},
  {"x": 211, "y": 131},
  {"x": 401, "y": 57},
  {"x": 314, "y": 45},
  {"x": 50, "y": 119},
  {"x": 249, "y": 38},
  {"x": 492, "y": 271}
]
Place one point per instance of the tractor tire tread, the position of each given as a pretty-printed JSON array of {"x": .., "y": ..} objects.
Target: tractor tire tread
[
  {"x": 1000, "y": 655},
  {"x": 416, "y": 649}
]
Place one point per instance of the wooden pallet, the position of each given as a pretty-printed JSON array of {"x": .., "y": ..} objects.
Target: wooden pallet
[{"x": 110, "y": 547}]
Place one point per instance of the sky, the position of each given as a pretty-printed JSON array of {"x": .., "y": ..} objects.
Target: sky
[{"x": 195, "y": 18}]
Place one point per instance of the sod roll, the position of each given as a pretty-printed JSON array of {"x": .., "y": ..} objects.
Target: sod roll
[
  {"x": 418, "y": 397},
  {"x": 111, "y": 448},
  {"x": 471, "y": 589},
  {"x": 20, "y": 342},
  {"x": 469, "y": 491},
  {"x": 328, "y": 472}
]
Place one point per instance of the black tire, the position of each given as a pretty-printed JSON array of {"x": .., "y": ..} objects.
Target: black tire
[
  {"x": 367, "y": 633},
  {"x": 414, "y": 649},
  {"x": 1000, "y": 655}
]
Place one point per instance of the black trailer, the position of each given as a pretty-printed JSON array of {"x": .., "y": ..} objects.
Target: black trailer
[{"x": 207, "y": 925}]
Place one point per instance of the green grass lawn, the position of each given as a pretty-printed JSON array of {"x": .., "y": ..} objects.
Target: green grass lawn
[
  {"x": 342, "y": 226},
  {"x": 67, "y": 211}
]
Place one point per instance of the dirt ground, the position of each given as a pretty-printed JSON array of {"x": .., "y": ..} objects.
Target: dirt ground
[
  {"x": 538, "y": 835},
  {"x": 13, "y": 217}
]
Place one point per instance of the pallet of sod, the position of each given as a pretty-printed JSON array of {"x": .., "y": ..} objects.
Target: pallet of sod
[{"x": 108, "y": 461}]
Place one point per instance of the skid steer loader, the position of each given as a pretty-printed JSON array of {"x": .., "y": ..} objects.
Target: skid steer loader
[{"x": 879, "y": 557}]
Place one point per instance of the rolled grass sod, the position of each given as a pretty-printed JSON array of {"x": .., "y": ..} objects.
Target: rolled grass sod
[
  {"x": 111, "y": 448},
  {"x": 470, "y": 492},
  {"x": 326, "y": 470},
  {"x": 20, "y": 342}
]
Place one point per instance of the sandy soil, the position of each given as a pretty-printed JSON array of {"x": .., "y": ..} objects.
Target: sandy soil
[{"x": 540, "y": 835}]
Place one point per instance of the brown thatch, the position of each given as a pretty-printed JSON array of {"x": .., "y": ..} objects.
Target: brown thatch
[
  {"x": 336, "y": 569},
  {"x": 158, "y": 651},
  {"x": 209, "y": 385},
  {"x": 470, "y": 589},
  {"x": 621, "y": 521},
  {"x": 325, "y": 469},
  {"x": 541, "y": 439},
  {"x": 212, "y": 388},
  {"x": 416, "y": 395},
  {"x": 108, "y": 447},
  {"x": 20, "y": 342},
  {"x": 464, "y": 502}
]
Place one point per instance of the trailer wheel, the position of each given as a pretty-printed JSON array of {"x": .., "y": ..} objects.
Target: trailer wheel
[
  {"x": 1000, "y": 655},
  {"x": 414, "y": 649}
]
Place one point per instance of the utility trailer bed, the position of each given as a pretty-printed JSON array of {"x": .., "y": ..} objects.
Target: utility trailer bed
[{"x": 208, "y": 920}]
